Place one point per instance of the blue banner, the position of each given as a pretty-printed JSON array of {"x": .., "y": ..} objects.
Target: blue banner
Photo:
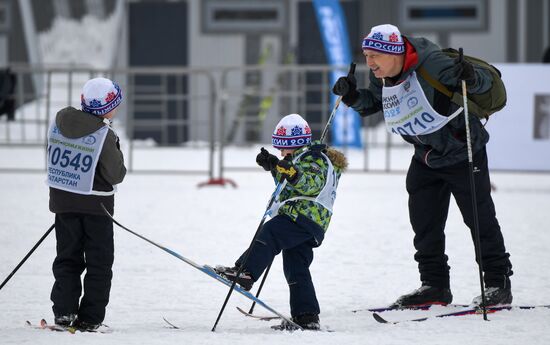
[{"x": 332, "y": 25}]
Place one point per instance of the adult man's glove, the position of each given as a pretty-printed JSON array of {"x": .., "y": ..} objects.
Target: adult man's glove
[
  {"x": 288, "y": 171},
  {"x": 266, "y": 160},
  {"x": 347, "y": 88},
  {"x": 464, "y": 71}
]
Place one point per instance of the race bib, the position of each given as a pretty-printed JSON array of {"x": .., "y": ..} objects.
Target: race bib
[
  {"x": 408, "y": 112},
  {"x": 71, "y": 163}
]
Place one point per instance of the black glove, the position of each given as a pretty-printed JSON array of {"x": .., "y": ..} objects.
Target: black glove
[
  {"x": 347, "y": 88},
  {"x": 266, "y": 160},
  {"x": 287, "y": 170},
  {"x": 464, "y": 71}
]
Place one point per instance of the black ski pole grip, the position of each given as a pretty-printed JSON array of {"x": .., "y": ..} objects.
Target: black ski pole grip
[
  {"x": 460, "y": 54},
  {"x": 351, "y": 68}
]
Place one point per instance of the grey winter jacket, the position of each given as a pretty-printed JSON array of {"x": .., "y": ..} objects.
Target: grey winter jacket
[
  {"x": 446, "y": 146},
  {"x": 110, "y": 169}
]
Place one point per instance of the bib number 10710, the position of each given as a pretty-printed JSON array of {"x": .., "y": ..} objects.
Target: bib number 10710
[{"x": 419, "y": 122}]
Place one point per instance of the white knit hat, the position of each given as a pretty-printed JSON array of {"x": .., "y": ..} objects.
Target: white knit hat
[
  {"x": 385, "y": 38},
  {"x": 100, "y": 96},
  {"x": 291, "y": 132}
]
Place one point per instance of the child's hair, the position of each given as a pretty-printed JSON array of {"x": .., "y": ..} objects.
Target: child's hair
[{"x": 337, "y": 158}]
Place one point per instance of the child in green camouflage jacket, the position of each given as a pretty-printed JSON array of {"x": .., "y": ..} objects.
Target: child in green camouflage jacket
[{"x": 300, "y": 215}]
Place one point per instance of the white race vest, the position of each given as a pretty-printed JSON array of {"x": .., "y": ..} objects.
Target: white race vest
[
  {"x": 408, "y": 112},
  {"x": 326, "y": 196},
  {"x": 72, "y": 162}
]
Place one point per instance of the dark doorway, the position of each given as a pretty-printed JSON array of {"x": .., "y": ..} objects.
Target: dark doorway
[{"x": 158, "y": 37}]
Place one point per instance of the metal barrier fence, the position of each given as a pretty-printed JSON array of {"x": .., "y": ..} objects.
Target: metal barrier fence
[
  {"x": 190, "y": 112},
  {"x": 249, "y": 115}
]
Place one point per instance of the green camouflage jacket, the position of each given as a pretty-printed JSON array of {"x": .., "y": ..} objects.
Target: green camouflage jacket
[{"x": 312, "y": 169}]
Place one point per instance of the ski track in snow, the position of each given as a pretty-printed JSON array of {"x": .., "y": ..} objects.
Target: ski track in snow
[{"x": 366, "y": 260}]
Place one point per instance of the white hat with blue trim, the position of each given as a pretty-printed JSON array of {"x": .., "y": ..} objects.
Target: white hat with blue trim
[
  {"x": 291, "y": 132},
  {"x": 100, "y": 96},
  {"x": 386, "y": 39}
]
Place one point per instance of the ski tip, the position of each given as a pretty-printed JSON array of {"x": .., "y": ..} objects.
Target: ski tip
[
  {"x": 379, "y": 318},
  {"x": 243, "y": 311},
  {"x": 257, "y": 317},
  {"x": 170, "y": 324}
]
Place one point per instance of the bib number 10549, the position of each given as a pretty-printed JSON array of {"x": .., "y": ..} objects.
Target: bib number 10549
[{"x": 67, "y": 158}]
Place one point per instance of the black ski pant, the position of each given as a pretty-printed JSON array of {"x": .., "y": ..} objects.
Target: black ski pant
[
  {"x": 296, "y": 240},
  {"x": 429, "y": 196},
  {"x": 83, "y": 242}
]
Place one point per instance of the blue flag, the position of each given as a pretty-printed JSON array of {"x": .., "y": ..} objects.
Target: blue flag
[{"x": 332, "y": 25}]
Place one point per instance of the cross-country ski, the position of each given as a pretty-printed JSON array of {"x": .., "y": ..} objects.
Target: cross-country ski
[
  {"x": 207, "y": 270},
  {"x": 461, "y": 312}
]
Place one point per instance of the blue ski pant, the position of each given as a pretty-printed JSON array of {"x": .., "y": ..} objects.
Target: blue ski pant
[{"x": 296, "y": 240}]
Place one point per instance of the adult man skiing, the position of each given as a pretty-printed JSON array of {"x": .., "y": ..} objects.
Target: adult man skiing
[{"x": 429, "y": 120}]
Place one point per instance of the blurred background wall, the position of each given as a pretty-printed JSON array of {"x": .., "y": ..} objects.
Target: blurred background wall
[{"x": 224, "y": 71}]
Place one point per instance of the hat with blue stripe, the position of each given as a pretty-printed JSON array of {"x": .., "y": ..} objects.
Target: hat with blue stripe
[
  {"x": 386, "y": 39},
  {"x": 100, "y": 96},
  {"x": 291, "y": 132}
]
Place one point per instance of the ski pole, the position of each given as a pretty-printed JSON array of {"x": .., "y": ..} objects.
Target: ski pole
[
  {"x": 167, "y": 250},
  {"x": 260, "y": 288},
  {"x": 27, "y": 256},
  {"x": 323, "y": 136},
  {"x": 274, "y": 197},
  {"x": 477, "y": 241},
  {"x": 336, "y": 104}
]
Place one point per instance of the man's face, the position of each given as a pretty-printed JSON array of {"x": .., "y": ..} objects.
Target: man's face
[{"x": 383, "y": 65}]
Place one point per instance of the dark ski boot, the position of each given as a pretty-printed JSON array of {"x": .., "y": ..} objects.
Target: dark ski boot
[
  {"x": 425, "y": 295},
  {"x": 308, "y": 322},
  {"x": 245, "y": 280},
  {"x": 494, "y": 296}
]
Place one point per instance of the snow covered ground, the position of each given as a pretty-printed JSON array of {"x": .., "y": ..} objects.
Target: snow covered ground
[{"x": 365, "y": 261}]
